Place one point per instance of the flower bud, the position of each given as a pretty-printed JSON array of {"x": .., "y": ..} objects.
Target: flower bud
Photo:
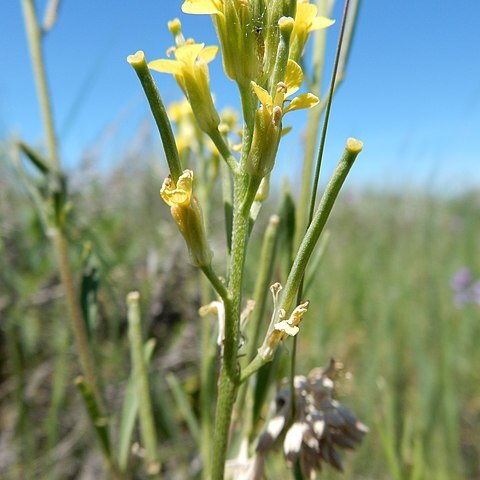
[
  {"x": 266, "y": 137},
  {"x": 175, "y": 28},
  {"x": 190, "y": 223},
  {"x": 276, "y": 9}
]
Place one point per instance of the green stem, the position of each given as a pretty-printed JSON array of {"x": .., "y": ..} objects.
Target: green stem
[
  {"x": 317, "y": 178},
  {"x": 313, "y": 126},
  {"x": 331, "y": 91},
  {"x": 352, "y": 149},
  {"x": 310, "y": 239},
  {"x": 36, "y": 54},
  {"x": 208, "y": 348},
  {"x": 242, "y": 201},
  {"x": 219, "y": 141},
  {"x": 216, "y": 283},
  {"x": 229, "y": 371},
  {"x": 262, "y": 284},
  {"x": 147, "y": 423},
  {"x": 249, "y": 105},
  {"x": 260, "y": 295},
  {"x": 79, "y": 328},
  {"x": 227, "y": 195},
  {"x": 227, "y": 393},
  {"x": 239, "y": 245},
  {"x": 314, "y": 115},
  {"x": 207, "y": 389},
  {"x": 157, "y": 107},
  {"x": 59, "y": 239}
]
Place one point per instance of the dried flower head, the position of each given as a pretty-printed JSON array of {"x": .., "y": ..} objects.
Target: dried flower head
[{"x": 321, "y": 424}]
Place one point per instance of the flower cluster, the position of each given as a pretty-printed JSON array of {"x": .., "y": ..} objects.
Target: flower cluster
[
  {"x": 321, "y": 424},
  {"x": 248, "y": 30}
]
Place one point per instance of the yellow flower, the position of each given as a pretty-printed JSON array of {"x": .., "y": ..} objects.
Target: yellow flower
[
  {"x": 234, "y": 22},
  {"x": 187, "y": 214},
  {"x": 293, "y": 81},
  {"x": 208, "y": 7},
  {"x": 179, "y": 194},
  {"x": 306, "y": 21},
  {"x": 190, "y": 70},
  {"x": 268, "y": 119}
]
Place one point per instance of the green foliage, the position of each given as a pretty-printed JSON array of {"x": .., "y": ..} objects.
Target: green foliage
[{"x": 380, "y": 303}]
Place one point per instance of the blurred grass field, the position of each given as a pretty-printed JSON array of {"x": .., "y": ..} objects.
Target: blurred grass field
[{"x": 381, "y": 303}]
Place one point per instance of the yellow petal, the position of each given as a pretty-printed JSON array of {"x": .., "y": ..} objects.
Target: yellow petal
[
  {"x": 187, "y": 54},
  {"x": 286, "y": 130},
  {"x": 305, "y": 13},
  {"x": 166, "y": 66},
  {"x": 293, "y": 77},
  {"x": 208, "y": 53},
  {"x": 285, "y": 327},
  {"x": 262, "y": 94},
  {"x": 180, "y": 194},
  {"x": 318, "y": 23},
  {"x": 306, "y": 100},
  {"x": 297, "y": 314},
  {"x": 208, "y": 7}
]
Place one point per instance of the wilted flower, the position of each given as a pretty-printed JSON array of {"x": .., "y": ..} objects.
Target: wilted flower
[
  {"x": 279, "y": 330},
  {"x": 187, "y": 214},
  {"x": 321, "y": 424}
]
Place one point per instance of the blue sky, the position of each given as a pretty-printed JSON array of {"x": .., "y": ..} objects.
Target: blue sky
[{"x": 412, "y": 91}]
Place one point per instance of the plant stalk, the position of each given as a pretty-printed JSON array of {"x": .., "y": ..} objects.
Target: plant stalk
[
  {"x": 244, "y": 195},
  {"x": 157, "y": 107},
  {"x": 59, "y": 239},
  {"x": 145, "y": 412},
  {"x": 312, "y": 235},
  {"x": 35, "y": 45},
  {"x": 79, "y": 328}
]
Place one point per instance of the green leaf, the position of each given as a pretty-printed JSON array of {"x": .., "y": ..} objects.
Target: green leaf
[
  {"x": 287, "y": 223},
  {"x": 35, "y": 157},
  {"x": 89, "y": 288}
]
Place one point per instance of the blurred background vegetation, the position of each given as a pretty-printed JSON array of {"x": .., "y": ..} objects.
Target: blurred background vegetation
[
  {"x": 395, "y": 299},
  {"x": 382, "y": 304}
]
